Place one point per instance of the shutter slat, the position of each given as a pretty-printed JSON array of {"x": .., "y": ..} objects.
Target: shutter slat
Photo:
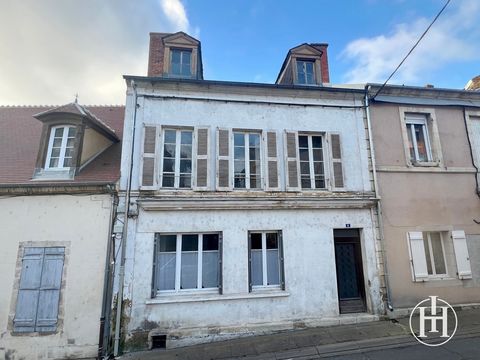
[
  {"x": 417, "y": 256},
  {"x": 223, "y": 160},
  {"x": 272, "y": 161},
  {"x": 461, "y": 254},
  {"x": 336, "y": 148},
  {"x": 291, "y": 161},
  {"x": 149, "y": 146},
  {"x": 202, "y": 158}
]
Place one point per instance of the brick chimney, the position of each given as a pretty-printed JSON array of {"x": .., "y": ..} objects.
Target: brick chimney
[
  {"x": 156, "y": 54},
  {"x": 323, "y": 61}
]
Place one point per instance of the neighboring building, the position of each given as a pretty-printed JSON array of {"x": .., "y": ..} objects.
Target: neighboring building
[
  {"x": 58, "y": 172},
  {"x": 251, "y": 206},
  {"x": 424, "y": 140}
]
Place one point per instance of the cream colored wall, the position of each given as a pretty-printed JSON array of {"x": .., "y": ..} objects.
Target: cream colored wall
[
  {"x": 93, "y": 143},
  {"x": 415, "y": 200},
  {"x": 83, "y": 223}
]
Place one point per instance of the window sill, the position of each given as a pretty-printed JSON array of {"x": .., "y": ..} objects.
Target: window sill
[
  {"x": 179, "y": 298},
  {"x": 425, "y": 164}
]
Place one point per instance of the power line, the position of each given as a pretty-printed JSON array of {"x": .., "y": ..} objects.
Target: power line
[{"x": 413, "y": 48}]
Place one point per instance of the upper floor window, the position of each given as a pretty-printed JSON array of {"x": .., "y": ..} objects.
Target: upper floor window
[
  {"x": 418, "y": 138},
  {"x": 181, "y": 62},
  {"x": 177, "y": 158},
  {"x": 305, "y": 72},
  {"x": 60, "y": 147},
  {"x": 246, "y": 157},
  {"x": 312, "y": 173}
]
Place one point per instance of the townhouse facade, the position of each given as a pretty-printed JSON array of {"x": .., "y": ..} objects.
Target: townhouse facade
[
  {"x": 426, "y": 155},
  {"x": 58, "y": 173},
  {"x": 248, "y": 208}
]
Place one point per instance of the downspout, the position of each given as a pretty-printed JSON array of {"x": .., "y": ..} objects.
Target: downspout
[
  {"x": 124, "y": 231},
  {"x": 471, "y": 153},
  {"x": 379, "y": 202}
]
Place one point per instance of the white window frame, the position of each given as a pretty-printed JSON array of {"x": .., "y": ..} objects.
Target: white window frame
[
  {"x": 176, "y": 179},
  {"x": 178, "y": 265},
  {"x": 311, "y": 161},
  {"x": 182, "y": 51},
  {"x": 414, "y": 119},
  {"x": 314, "y": 75},
  {"x": 63, "y": 147},
  {"x": 428, "y": 239},
  {"x": 264, "y": 260},
  {"x": 246, "y": 134}
]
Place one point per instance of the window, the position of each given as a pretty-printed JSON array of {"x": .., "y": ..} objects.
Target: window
[
  {"x": 177, "y": 158},
  {"x": 186, "y": 262},
  {"x": 266, "y": 259},
  {"x": 39, "y": 289},
  {"x": 247, "y": 164},
  {"x": 60, "y": 147},
  {"x": 312, "y": 174},
  {"x": 434, "y": 253},
  {"x": 305, "y": 72},
  {"x": 418, "y": 139},
  {"x": 180, "y": 62}
]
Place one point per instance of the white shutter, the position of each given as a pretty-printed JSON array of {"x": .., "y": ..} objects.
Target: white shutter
[
  {"x": 224, "y": 166},
  {"x": 292, "y": 166},
  {"x": 418, "y": 259},
  {"x": 337, "y": 167},
  {"x": 461, "y": 254},
  {"x": 147, "y": 178},
  {"x": 271, "y": 164},
  {"x": 202, "y": 158}
]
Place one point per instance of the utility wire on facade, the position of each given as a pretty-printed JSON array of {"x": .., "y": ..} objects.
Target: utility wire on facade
[{"x": 411, "y": 50}]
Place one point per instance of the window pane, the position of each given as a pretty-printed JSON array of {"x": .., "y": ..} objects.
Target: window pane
[
  {"x": 57, "y": 142},
  {"x": 303, "y": 154},
  {"x": 70, "y": 142},
  {"x": 186, "y": 152},
  {"x": 272, "y": 241},
  {"x": 55, "y": 152},
  {"x": 176, "y": 54},
  {"x": 257, "y": 268},
  {"x": 306, "y": 184},
  {"x": 169, "y": 151},
  {"x": 168, "y": 165},
  {"x": 254, "y": 167},
  {"x": 239, "y": 167},
  {"x": 189, "y": 271},
  {"x": 427, "y": 254},
  {"x": 410, "y": 142},
  {"x": 304, "y": 167},
  {"x": 186, "y": 166},
  {"x": 166, "y": 263},
  {"x": 71, "y": 132},
  {"x": 210, "y": 242},
  {"x": 319, "y": 182},
  {"x": 254, "y": 182},
  {"x": 254, "y": 153},
  {"x": 438, "y": 253},
  {"x": 185, "y": 181},
  {"x": 318, "y": 168},
  {"x": 53, "y": 162},
  {"x": 67, "y": 162},
  {"x": 317, "y": 155},
  {"x": 210, "y": 269},
  {"x": 256, "y": 241},
  {"x": 190, "y": 242},
  {"x": 186, "y": 55},
  {"x": 254, "y": 140},
  {"x": 421, "y": 146},
  {"x": 273, "y": 267},
  {"x": 68, "y": 152},
  {"x": 170, "y": 136},
  {"x": 59, "y": 132},
  {"x": 168, "y": 243},
  {"x": 240, "y": 182},
  {"x": 168, "y": 180},
  {"x": 238, "y": 139},
  {"x": 239, "y": 153},
  {"x": 186, "y": 137},
  {"x": 303, "y": 141}
]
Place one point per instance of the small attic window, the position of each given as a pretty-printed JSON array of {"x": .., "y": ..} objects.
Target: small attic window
[
  {"x": 60, "y": 147},
  {"x": 306, "y": 72},
  {"x": 181, "y": 60}
]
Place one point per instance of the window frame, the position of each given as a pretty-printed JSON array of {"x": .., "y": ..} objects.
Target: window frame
[
  {"x": 281, "y": 260},
  {"x": 247, "y": 160},
  {"x": 410, "y": 123},
  {"x": 178, "y": 265},
  {"x": 314, "y": 75},
  {"x": 181, "y": 50},
  {"x": 428, "y": 239},
  {"x": 63, "y": 146},
  {"x": 311, "y": 161},
  {"x": 177, "y": 173}
]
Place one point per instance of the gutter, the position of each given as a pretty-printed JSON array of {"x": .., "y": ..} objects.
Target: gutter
[{"x": 379, "y": 202}]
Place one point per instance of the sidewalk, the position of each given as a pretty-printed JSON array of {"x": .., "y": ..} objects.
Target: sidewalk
[{"x": 309, "y": 343}]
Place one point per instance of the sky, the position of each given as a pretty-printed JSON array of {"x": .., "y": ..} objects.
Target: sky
[{"x": 52, "y": 50}]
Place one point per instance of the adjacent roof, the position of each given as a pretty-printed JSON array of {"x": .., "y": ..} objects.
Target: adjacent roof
[{"x": 20, "y": 134}]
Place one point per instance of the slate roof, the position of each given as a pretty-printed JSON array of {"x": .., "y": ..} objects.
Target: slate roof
[{"x": 20, "y": 134}]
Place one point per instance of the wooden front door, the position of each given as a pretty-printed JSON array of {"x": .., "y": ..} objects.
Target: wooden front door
[{"x": 350, "y": 281}]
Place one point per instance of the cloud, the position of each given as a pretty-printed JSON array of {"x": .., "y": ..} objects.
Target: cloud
[
  {"x": 52, "y": 49},
  {"x": 452, "y": 38}
]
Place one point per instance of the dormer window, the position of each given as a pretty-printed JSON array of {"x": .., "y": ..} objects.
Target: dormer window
[
  {"x": 306, "y": 72},
  {"x": 181, "y": 62},
  {"x": 60, "y": 147}
]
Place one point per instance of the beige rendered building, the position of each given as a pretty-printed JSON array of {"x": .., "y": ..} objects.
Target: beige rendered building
[{"x": 427, "y": 152}]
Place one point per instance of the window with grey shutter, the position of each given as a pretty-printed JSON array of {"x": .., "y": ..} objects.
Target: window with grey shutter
[
  {"x": 39, "y": 290},
  {"x": 336, "y": 147},
  {"x": 202, "y": 158},
  {"x": 272, "y": 161},
  {"x": 148, "y": 168},
  {"x": 291, "y": 161},
  {"x": 223, "y": 159}
]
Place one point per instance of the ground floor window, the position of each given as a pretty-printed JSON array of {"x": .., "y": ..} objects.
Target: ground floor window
[
  {"x": 185, "y": 262},
  {"x": 265, "y": 259},
  {"x": 434, "y": 253}
]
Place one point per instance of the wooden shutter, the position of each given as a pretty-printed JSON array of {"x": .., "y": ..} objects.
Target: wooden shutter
[
  {"x": 337, "y": 167},
  {"x": 156, "y": 245},
  {"x": 202, "y": 181},
  {"x": 148, "y": 157},
  {"x": 272, "y": 182},
  {"x": 418, "y": 259},
  {"x": 282, "y": 265},
  {"x": 461, "y": 254},
  {"x": 224, "y": 174},
  {"x": 292, "y": 173}
]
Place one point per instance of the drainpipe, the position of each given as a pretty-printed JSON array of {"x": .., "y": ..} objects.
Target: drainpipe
[
  {"x": 471, "y": 152},
  {"x": 125, "y": 229},
  {"x": 379, "y": 203}
]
